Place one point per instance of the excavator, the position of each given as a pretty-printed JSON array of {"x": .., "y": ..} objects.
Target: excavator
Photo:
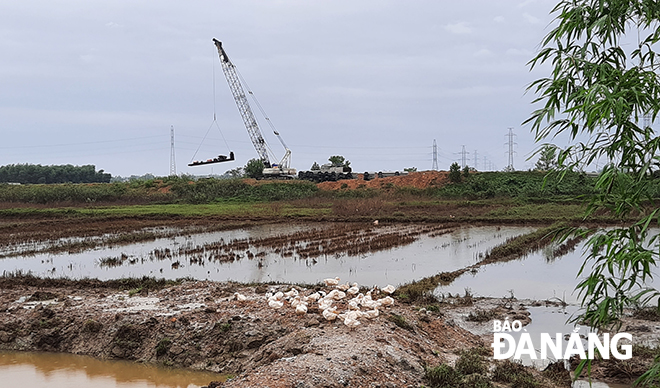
[{"x": 281, "y": 170}]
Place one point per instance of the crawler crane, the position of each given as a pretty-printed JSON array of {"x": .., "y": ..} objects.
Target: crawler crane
[{"x": 281, "y": 170}]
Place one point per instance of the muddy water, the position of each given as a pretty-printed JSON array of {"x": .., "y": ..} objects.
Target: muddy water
[
  {"x": 555, "y": 320},
  {"x": 70, "y": 371},
  {"x": 428, "y": 254}
]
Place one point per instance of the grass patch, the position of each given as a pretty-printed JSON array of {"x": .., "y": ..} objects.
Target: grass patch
[
  {"x": 134, "y": 291},
  {"x": 557, "y": 373},
  {"x": 222, "y": 327},
  {"x": 442, "y": 376},
  {"x": 92, "y": 326},
  {"x": 540, "y": 212},
  {"x": 163, "y": 346},
  {"x": 470, "y": 371},
  {"x": 422, "y": 290},
  {"x": 14, "y": 280},
  {"x": 472, "y": 361},
  {"x": 519, "y": 246},
  {"x": 400, "y": 321},
  {"x": 479, "y": 315},
  {"x": 515, "y": 374}
]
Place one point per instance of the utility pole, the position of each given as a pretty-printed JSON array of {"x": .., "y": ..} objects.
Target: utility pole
[
  {"x": 435, "y": 156},
  {"x": 172, "y": 161},
  {"x": 511, "y": 151}
]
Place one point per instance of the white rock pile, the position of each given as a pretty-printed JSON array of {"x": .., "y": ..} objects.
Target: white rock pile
[{"x": 354, "y": 305}]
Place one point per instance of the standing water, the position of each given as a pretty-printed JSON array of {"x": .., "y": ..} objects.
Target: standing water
[
  {"x": 55, "y": 370},
  {"x": 285, "y": 253}
]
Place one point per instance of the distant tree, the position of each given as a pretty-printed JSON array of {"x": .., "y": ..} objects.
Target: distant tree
[
  {"x": 547, "y": 158},
  {"x": 339, "y": 161},
  {"x": 466, "y": 171},
  {"x": 36, "y": 173},
  {"x": 254, "y": 169},
  {"x": 410, "y": 169},
  {"x": 315, "y": 166},
  {"x": 146, "y": 177},
  {"x": 454, "y": 173},
  {"x": 508, "y": 169},
  {"x": 237, "y": 172}
]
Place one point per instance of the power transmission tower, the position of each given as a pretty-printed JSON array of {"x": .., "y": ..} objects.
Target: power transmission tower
[
  {"x": 172, "y": 161},
  {"x": 476, "y": 160},
  {"x": 435, "y": 156},
  {"x": 464, "y": 157},
  {"x": 511, "y": 151},
  {"x": 646, "y": 120}
]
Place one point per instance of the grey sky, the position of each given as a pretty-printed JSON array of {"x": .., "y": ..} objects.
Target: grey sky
[{"x": 376, "y": 81}]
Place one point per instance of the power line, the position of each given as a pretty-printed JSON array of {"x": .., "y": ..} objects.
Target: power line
[{"x": 83, "y": 143}]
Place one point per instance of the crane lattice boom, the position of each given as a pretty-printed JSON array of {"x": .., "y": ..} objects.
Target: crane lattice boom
[{"x": 243, "y": 105}]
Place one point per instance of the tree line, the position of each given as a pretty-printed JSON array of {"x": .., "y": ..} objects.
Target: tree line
[{"x": 36, "y": 173}]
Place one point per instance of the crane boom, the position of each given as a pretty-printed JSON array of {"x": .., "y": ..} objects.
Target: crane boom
[{"x": 243, "y": 106}]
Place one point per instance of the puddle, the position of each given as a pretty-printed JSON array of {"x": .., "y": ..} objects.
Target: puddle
[
  {"x": 56, "y": 370},
  {"x": 429, "y": 253}
]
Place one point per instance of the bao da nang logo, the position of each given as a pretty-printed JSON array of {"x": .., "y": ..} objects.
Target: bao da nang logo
[{"x": 505, "y": 345}]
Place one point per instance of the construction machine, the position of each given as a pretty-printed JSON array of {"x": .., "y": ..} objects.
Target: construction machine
[{"x": 281, "y": 170}]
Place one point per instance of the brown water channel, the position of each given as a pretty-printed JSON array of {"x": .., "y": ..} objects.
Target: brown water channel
[
  {"x": 286, "y": 253},
  {"x": 55, "y": 370}
]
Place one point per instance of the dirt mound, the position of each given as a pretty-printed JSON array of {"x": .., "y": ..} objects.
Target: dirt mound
[
  {"x": 418, "y": 180},
  {"x": 202, "y": 325}
]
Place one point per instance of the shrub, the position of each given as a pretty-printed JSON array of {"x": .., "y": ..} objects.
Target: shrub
[
  {"x": 470, "y": 362},
  {"x": 455, "y": 173},
  {"x": 163, "y": 346},
  {"x": 92, "y": 326},
  {"x": 442, "y": 376}
]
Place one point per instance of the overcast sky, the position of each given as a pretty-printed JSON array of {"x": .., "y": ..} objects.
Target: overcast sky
[{"x": 102, "y": 82}]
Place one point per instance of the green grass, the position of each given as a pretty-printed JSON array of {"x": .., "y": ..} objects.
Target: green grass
[
  {"x": 545, "y": 211},
  {"x": 244, "y": 209},
  {"x": 163, "y": 346},
  {"x": 442, "y": 376},
  {"x": 400, "y": 321}
]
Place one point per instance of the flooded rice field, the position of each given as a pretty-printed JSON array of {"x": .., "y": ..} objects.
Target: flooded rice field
[
  {"x": 281, "y": 252},
  {"x": 58, "y": 370},
  {"x": 291, "y": 253},
  {"x": 540, "y": 275}
]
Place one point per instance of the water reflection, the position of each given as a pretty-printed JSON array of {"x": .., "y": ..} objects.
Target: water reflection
[
  {"x": 56, "y": 370},
  {"x": 428, "y": 254},
  {"x": 540, "y": 275}
]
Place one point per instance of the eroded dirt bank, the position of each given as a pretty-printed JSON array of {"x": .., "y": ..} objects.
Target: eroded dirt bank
[{"x": 201, "y": 325}]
